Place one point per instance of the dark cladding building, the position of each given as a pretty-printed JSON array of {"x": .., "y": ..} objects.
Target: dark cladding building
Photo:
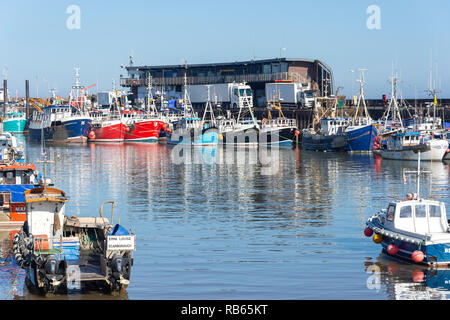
[{"x": 256, "y": 73}]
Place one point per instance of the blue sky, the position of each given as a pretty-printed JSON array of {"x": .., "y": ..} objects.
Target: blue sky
[{"x": 38, "y": 45}]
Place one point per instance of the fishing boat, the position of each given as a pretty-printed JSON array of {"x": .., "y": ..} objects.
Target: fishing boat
[
  {"x": 61, "y": 253},
  {"x": 62, "y": 123},
  {"x": 144, "y": 126},
  {"x": 14, "y": 122},
  {"x": 328, "y": 129},
  {"x": 192, "y": 130},
  {"x": 414, "y": 229},
  {"x": 330, "y": 136},
  {"x": 362, "y": 132},
  {"x": 279, "y": 131},
  {"x": 406, "y": 146}
]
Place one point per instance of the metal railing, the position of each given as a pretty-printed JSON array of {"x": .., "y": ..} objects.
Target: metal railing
[{"x": 296, "y": 77}]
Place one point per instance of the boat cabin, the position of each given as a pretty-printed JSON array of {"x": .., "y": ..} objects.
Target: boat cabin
[
  {"x": 417, "y": 216},
  {"x": 332, "y": 126},
  {"x": 399, "y": 141}
]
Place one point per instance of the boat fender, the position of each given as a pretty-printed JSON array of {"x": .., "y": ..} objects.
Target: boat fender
[
  {"x": 16, "y": 238},
  {"x": 368, "y": 232},
  {"x": 417, "y": 256},
  {"x": 392, "y": 249},
  {"x": 92, "y": 135},
  {"x": 377, "y": 238},
  {"x": 51, "y": 264}
]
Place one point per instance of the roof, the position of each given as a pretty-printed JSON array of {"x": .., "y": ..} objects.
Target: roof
[
  {"x": 401, "y": 134},
  {"x": 227, "y": 63},
  {"x": 18, "y": 166},
  {"x": 51, "y": 194}
]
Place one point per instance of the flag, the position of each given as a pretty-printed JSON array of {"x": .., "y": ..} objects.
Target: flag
[{"x": 435, "y": 100}]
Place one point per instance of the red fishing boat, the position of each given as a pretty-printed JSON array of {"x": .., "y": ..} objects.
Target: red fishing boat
[
  {"x": 142, "y": 126},
  {"x": 110, "y": 128}
]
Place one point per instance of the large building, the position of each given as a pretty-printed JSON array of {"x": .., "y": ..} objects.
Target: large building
[{"x": 256, "y": 73}]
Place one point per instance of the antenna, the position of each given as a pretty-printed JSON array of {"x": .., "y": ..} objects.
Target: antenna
[{"x": 418, "y": 172}]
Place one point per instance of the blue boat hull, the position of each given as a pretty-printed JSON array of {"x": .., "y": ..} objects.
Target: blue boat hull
[
  {"x": 434, "y": 253},
  {"x": 361, "y": 139},
  {"x": 76, "y": 130}
]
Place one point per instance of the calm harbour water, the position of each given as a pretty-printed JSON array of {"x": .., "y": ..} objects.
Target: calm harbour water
[{"x": 230, "y": 231}]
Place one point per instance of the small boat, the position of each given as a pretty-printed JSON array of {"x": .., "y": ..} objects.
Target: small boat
[
  {"x": 406, "y": 145},
  {"x": 62, "y": 253},
  {"x": 414, "y": 229},
  {"x": 10, "y": 150},
  {"x": 14, "y": 122},
  {"x": 15, "y": 179}
]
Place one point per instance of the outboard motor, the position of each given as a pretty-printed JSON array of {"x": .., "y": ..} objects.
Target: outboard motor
[
  {"x": 51, "y": 265},
  {"x": 117, "y": 265}
]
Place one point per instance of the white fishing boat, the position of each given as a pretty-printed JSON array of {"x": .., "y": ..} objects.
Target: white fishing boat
[
  {"x": 414, "y": 229},
  {"x": 406, "y": 146}
]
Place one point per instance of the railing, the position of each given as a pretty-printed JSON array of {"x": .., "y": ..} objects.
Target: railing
[{"x": 296, "y": 77}]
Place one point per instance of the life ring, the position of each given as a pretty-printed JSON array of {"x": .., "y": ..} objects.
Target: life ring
[{"x": 264, "y": 121}]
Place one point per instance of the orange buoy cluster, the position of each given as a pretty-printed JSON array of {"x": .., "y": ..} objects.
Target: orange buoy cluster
[
  {"x": 417, "y": 256},
  {"x": 92, "y": 135},
  {"x": 377, "y": 142}
]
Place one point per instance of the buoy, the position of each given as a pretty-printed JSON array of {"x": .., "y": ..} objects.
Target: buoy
[
  {"x": 377, "y": 238},
  {"x": 417, "y": 256},
  {"x": 92, "y": 135},
  {"x": 368, "y": 232},
  {"x": 392, "y": 249},
  {"x": 418, "y": 276}
]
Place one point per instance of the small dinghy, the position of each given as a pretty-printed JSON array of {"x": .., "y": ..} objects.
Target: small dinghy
[
  {"x": 61, "y": 253},
  {"x": 414, "y": 229}
]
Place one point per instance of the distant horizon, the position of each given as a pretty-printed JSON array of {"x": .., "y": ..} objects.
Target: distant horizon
[{"x": 46, "y": 40}]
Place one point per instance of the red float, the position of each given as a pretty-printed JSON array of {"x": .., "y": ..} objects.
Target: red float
[
  {"x": 418, "y": 256},
  {"x": 392, "y": 249},
  {"x": 368, "y": 232}
]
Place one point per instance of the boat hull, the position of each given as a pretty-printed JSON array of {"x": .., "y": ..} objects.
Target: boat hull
[
  {"x": 16, "y": 125},
  {"x": 73, "y": 130},
  {"x": 148, "y": 131},
  {"x": 361, "y": 139},
  {"x": 114, "y": 132},
  {"x": 320, "y": 142},
  {"x": 207, "y": 137},
  {"x": 283, "y": 136}
]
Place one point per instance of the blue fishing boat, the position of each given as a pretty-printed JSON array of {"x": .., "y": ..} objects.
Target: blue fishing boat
[
  {"x": 63, "y": 123},
  {"x": 361, "y": 137},
  {"x": 414, "y": 229},
  {"x": 361, "y": 133}
]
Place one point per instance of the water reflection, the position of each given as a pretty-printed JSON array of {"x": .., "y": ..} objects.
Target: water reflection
[{"x": 405, "y": 281}]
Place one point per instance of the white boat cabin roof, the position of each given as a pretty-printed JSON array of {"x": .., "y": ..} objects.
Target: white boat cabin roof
[
  {"x": 332, "y": 126},
  {"x": 417, "y": 216}
]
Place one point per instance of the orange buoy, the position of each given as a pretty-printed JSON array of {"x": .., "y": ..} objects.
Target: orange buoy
[
  {"x": 92, "y": 135},
  {"x": 377, "y": 238},
  {"x": 418, "y": 256},
  {"x": 392, "y": 249}
]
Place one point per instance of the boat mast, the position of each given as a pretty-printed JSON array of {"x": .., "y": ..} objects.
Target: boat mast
[
  {"x": 362, "y": 100},
  {"x": 78, "y": 88},
  {"x": 187, "y": 101},
  {"x": 150, "y": 106},
  {"x": 393, "y": 105},
  {"x": 208, "y": 107}
]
